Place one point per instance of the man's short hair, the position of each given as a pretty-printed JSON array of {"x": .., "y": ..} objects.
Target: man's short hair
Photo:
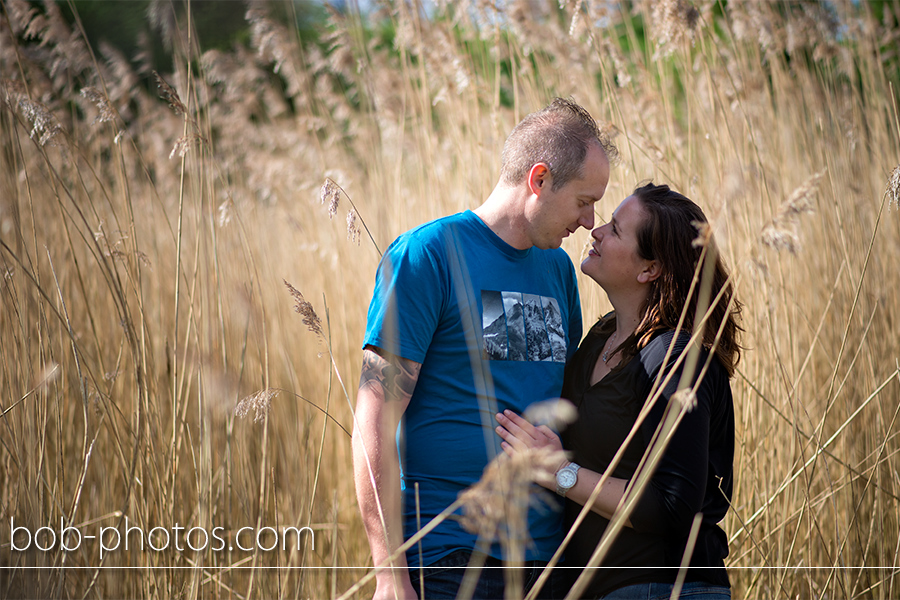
[{"x": 558, "y": 135}]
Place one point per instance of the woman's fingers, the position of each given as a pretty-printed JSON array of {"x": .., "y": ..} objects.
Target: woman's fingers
[
  {"x": 513, "y": 427},
  {"x": 551, "y": 435},
  {"x": 521, "y": 434},
  {"x": 514, "y": 439},
  {"x": 519, "y": 422}
]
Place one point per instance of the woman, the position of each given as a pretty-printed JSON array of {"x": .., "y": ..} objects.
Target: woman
[{"x": 645, "y": 258}]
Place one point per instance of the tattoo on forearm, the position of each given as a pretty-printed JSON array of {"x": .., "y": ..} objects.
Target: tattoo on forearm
[{"x": 397, "y": 376}]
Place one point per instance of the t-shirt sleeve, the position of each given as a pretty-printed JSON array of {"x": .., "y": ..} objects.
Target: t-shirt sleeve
[
  {"x": 408, "y": 299},
  {"x": 676, "y": 489}
]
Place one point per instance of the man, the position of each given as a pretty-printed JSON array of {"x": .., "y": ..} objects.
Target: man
[{"x": 472, "y": 314}]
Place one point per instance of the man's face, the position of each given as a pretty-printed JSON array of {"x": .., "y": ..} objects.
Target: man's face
[{"x": 561, "y": 212}]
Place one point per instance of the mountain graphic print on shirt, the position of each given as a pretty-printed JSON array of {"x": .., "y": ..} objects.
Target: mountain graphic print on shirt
[{"x": 522, "y": 327}]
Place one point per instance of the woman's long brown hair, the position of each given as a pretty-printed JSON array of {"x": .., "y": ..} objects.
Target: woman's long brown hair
[{"x": 674, "y": 234}]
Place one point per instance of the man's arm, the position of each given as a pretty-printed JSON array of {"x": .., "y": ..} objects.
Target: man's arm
[{"x": 385, "y": 387}]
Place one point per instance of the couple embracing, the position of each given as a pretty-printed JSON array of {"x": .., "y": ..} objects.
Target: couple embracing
[{"x": 476, "y": 316}]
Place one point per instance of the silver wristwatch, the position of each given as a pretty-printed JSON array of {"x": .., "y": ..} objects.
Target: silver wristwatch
[{"x": 566, "y": 478}]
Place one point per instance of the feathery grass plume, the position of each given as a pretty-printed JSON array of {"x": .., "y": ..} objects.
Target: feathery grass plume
[
  {"x": 673, "y": 21},
  {"x": 106, "y": 113},
  {"x": 339, "y": 42},
  {"x": 143, "y": 59},
  {"x": 608, "y": 132},
  {"x": 13, "y": 92},
  {"x": 781, "y": 232},
  {"x": 123, "y": 83},
  {"x": 623, "y": 77},
  {"x": 555, "y": 413},
  {"x": 306, "y": 310},
  {"x": 264, "y": 34},
  {"x": 893, "y": 188},
  {"x": 352, "y": 227},
  {"x": 47, "y": 375},
  {"x": 21, "y": 13},
  {"x": 219, "y": 387},
  {"x": 754, "y": 20},
  {"x": 686, "y": 398},
  {"x": 525, "y": 19},
  {"x": 274, "y": 43},
  {"x": 704, "y": 234},
  {"x": 331, "y": 195},
  {"x": 161, "y": 15},
  {"x": 43, "y": 122},
  {"x": 814, "y": 27},
  {"x": 259, "y": 404},
  {"x": 503, "y": 494},
  {"x": 576, "y": 17},
  {"x": 68, "y": 54},
  {"x": 184, "y": 144},
  {"x": 168, "y": 93},
  {"x": 115, "y": 250},
  {"x": 143, "y": 259},
  {"x": 226, "y": 209},
  {"x": 36, "y": 26},
  {"x": 95, "y": 401}
]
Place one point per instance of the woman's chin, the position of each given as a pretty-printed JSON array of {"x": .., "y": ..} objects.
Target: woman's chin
[{"x": 589, "y": 265}]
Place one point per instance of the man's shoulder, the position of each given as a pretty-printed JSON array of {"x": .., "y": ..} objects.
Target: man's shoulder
[{"x": 430, "y": 235}]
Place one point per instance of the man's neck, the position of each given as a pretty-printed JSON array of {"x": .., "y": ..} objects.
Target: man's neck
[{"x": 503, "y": 213}]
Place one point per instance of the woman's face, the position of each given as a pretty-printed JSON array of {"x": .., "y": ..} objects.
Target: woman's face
[{"x": 613, "y": 260}]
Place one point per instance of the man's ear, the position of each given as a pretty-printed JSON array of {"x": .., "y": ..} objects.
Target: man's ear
[
  {"x": 651, "y": 272},
  {"x": 539, "y": 178}
]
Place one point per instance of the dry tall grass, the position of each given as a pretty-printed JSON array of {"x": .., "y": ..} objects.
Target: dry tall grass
[{"x": 145, "y": 241}]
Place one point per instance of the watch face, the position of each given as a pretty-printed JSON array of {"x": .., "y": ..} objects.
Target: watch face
[{"x": 565, "y": 478}]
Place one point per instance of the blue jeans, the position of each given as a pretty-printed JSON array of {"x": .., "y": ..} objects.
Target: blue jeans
[
  {"x": 663, "y": 591},
  {"x": 444, "y": 577}
]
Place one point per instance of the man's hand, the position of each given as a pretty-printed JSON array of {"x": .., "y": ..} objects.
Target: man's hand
[{"x": 521, "y": 436}]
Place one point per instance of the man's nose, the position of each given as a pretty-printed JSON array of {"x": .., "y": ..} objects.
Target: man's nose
[{"x": 587, "y": 219}]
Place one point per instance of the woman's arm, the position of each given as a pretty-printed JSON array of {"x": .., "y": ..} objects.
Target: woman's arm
[{"x": 521, "y": 436}]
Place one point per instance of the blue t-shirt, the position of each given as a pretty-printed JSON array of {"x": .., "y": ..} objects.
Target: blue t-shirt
[{"x": 493, "y": 327}]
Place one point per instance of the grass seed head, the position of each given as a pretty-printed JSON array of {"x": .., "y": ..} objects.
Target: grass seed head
[
  {"x": 47, "y": 375},
  {"x": 184, "y": 144},
  {"x": 330, "y": 194},
  {"x": 43, "y": 122},
  {"x": 686, "y": 398},
  {"x": 352, "y": 227},
  {"x": 607, "y": 133},
  {"x": 704, "y": 234},
  {"x": 893, "y": 188},
  {"x": 226, "y": 209},
  {"x": 102, "y": 102},
  {"x": 555, "y": 412},
  {"x": 503, "y": 494},
  {"x": 781, "y": 233},
  {"x": 674, "y": 20},
  {"x": 13, "y": 91},
  {"x": 259, "y": 404},
  {"x": 306, "y": 310},
  {"x": 168, "y": 93}
]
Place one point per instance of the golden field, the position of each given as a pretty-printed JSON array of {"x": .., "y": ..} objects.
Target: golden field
[{"x": 154, "y": 367}]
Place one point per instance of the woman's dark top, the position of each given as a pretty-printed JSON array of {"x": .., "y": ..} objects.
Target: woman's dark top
[{"x": 694, "y": 474}]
